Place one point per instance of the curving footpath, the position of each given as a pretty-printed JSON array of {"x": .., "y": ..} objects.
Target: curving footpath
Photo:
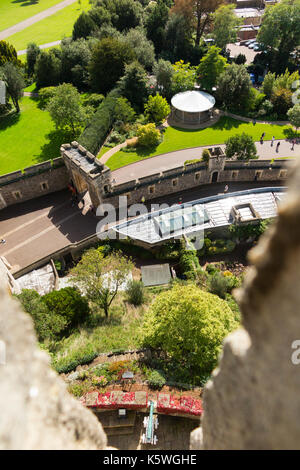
[
  {"x": 167, "y": 161},
  {"x": 34, "y": 19}
]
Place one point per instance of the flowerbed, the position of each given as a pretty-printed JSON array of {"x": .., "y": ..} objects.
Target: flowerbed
[
  {"x": 117, "y": 399},
  {"x": 170, "y": 404}
]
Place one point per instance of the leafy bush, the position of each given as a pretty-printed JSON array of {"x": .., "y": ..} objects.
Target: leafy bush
[
  {"x": 221, "y": 284},
  {"x": 45, "y": 95},
  {"x": 156, "y": 380},
  {"x": 189, "y": 325},
  {"x": 69, "y": 304},
  {"x": 244, "y": 232},
  {"x": 82, "y": 355},
  {"x": 96, "y": 131},
  {"x": 156, "y": 109},
  {"x": 205, "y": 155},
  {"x": 135, "y": 293},
  {"x": 241, "y": 147},
  {"x": 148, "y": 135}
]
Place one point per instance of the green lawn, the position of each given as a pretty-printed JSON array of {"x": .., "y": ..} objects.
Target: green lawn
[
  {"x": 14, "y": 11},
  {"x": 28, "y": 138},
  {"x": 177, "y": 139},
  {"x": 53, "y": 28}
]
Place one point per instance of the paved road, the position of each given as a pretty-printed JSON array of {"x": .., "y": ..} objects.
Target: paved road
[
  {"x": 43, "y": 46},
  {"x": 170, "y": 160},
  {"x": 34, "y": 19},
  {"x": 37, "y": 228}
]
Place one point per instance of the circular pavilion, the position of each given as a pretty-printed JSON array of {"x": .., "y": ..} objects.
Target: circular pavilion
[{"x": 192, "y": 107}]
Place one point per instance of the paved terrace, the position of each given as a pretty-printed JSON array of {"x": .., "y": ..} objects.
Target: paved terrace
[{"x": 37, "y": 228}]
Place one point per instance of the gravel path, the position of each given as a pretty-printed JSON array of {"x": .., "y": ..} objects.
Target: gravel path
[
  {"x": 34, "y": 19},
  {"x": 43, "y": 46}
]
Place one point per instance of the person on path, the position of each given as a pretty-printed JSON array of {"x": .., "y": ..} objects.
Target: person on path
[
  {"x": 272, "y": 141},
  {"x": 277, "y": 146},
  {"x": 226, "y": 189},
  {"x": 293, "y": 144}
]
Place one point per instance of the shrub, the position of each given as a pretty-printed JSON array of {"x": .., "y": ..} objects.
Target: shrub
[
  {"x": 282, "y": 100},
  {"x": 148, "y": 135},
  {"x": 46, "y": 94},
  {"x": 156, "y": 380},
  {"x": 135, "y": 293},
  {"x": 69, "y": 304},
  {"x": 156, "y": 109},
  {"x": 189, "y": 325},
  {"x": 81, "y": 356},
  {"x": 241, "y": 147},
  {"x": 96, "y": 131},
  {"x": 218, "y": 284},
  {"x": 206, "y": 155}
]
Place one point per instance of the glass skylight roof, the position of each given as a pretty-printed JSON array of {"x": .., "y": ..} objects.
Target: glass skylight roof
[{"x": 180, "y": 219}]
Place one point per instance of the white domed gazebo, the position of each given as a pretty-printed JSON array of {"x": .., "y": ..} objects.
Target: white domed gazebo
[{"x": 192, "y": 107}]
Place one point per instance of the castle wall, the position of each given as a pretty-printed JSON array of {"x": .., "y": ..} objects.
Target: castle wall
[
  {"x": 193, "y": 175},
  {"x": 34, "y": 181}
]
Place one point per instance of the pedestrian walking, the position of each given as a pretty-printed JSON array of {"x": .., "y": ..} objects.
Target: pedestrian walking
[
  {"x": 293, "y": 144},
  {"x": 277, "y": 146},
  {"x": 226, "y": 188},
  {"x": 254, "y": 122},
  {"x": 2, "y": 241},
  {"x": 272, "y": 141},
  {"x": 180, "y": 200}
]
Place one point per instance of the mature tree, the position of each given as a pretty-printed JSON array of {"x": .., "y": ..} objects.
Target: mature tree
[
  {"x": 32, "y": 53},
  {"x": 177, "y": 43},
  {"x": 69, "y": 304},
  {"x": 101, "y": 277},
  {"x": 294, "y": 115},
  {"x": 83, "y": 26},
  {"x": 156, "y": 109},
  {"x": 7, "y": 53},
  {"x": 163, "y": 72},
  {"x": 13, "y": 78},
  {"x": 100, "y": 16},
  {"x": 125, "y": 14},
  {"x": 240, "y": 147},
  {"x": 198, "y": 14},
  {"x": 281, "y": 100},
  {"x": 66, "y": 109},
  {"x": 280, "y": 32},
  {"x": 155, "y": 24},
  {"x": 189, "y": 324},
  {"x": 107, "y": 63},
  {"x": 225, "y": 25},
  {"x": 184, "y": 77},
  {"x": 211, "y": 66},
  {"x": 268, "y": 84},
  {"x": 47, "y": 324},
  {"x": 134, "y": 85},
  {"x": 123, "y": 110},
  {"x": 47, "y": 69},
  {"x": 148, "y": 135},
  {"x": 75, "y": 57},
  {"x": 143, "y": 48},
  {"x": 234, "y": 86}
]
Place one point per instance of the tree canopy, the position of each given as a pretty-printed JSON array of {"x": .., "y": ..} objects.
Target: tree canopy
[
  {"x": 225, "y": 23},
  {"x": 211, "y": 67},
  {"x": 101, "y": 277},
  {"x": 189, "y": 324}
]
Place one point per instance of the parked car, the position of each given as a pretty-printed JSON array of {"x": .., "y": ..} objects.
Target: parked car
[{"x": 252, "y": 45}]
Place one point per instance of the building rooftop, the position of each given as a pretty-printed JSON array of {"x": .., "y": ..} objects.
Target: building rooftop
[
  {"x": 193, "y": 101},
  {"x": 248, "y": 12},
  {"x": 207, "y": 213}
]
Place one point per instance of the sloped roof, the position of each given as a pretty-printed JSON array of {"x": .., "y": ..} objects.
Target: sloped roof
[{"x": 193, "y": 101}]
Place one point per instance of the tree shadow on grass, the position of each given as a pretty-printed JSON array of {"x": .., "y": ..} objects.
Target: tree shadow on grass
[
  {"x": 55, "y": 139},
  {"x": 9, "y": 120},
  {"x": 26, "y": 3},
  {"x": 290, "y": 133}
]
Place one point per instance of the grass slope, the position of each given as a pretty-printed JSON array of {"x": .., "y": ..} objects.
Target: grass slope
[
  {"x": 177, "y": 139},
  {"x": 53, "y": 28},
  {"x": 28, "y": 138},
  {"x": 15, "y": 11}
]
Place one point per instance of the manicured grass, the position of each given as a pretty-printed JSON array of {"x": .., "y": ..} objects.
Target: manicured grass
[
  {"x": 177, "y": 139},
  {"x": 53, "y": 28},
  {"x": 28, "y": 138},
  {"x": 12, "y": 11}
]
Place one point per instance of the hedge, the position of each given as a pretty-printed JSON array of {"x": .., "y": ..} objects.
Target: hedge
[{"x": 95, "y": 133}]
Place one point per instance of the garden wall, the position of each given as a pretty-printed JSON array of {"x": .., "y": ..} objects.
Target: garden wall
[{"x": 34, "y": 181}]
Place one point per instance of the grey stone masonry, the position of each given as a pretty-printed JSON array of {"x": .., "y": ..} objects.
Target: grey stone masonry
[{"x": 34, "y": 181}]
